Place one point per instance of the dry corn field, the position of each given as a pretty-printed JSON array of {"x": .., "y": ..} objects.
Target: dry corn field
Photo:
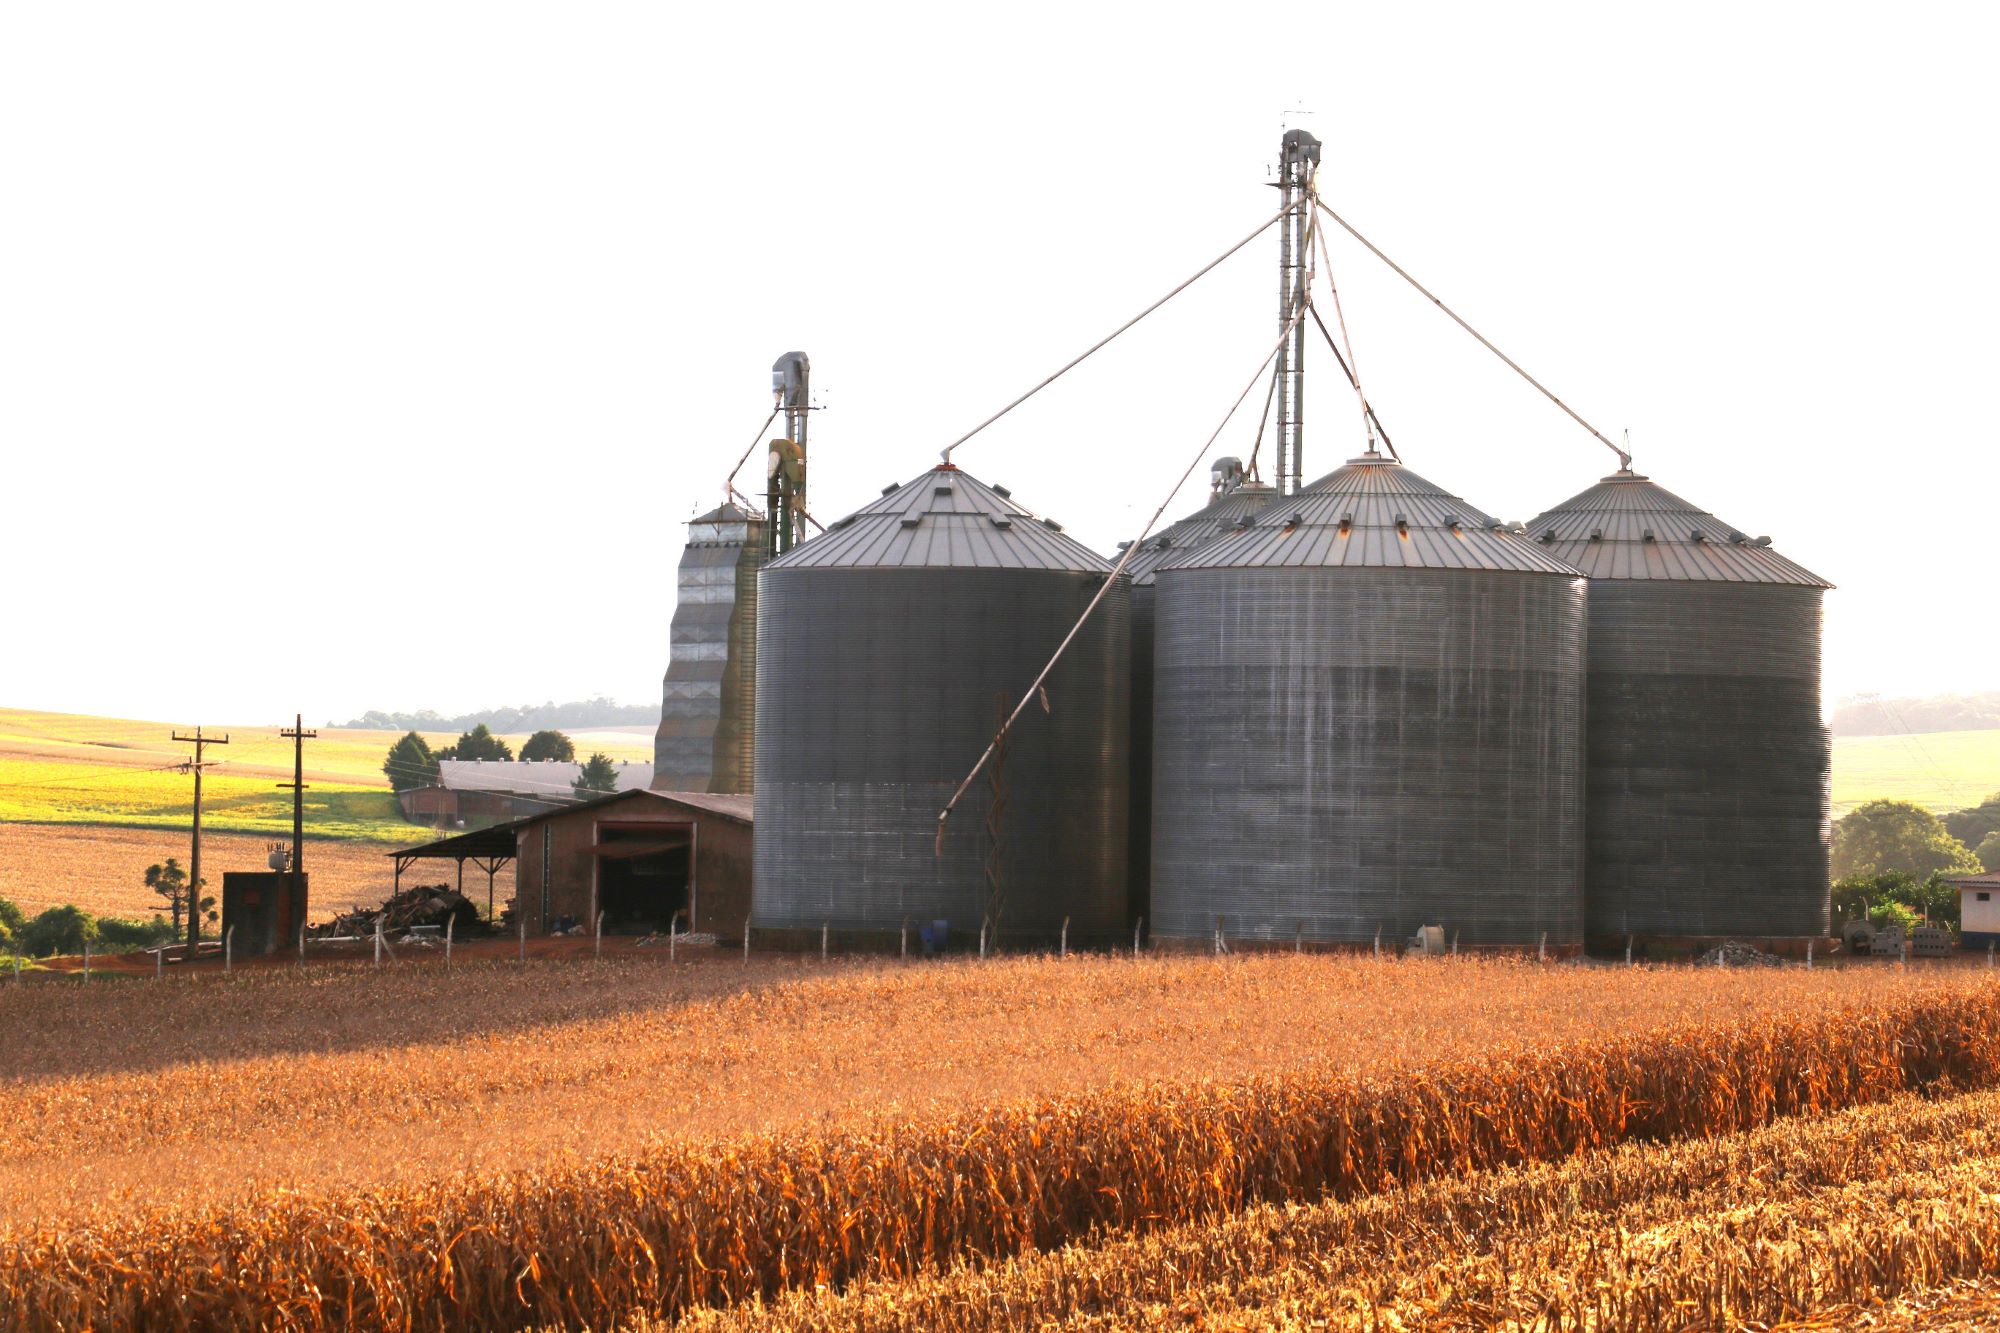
[{"x": 589, "y": 1144}]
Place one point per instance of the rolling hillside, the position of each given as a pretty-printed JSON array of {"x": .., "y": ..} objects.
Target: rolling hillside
[
  {"x": 65, "y": 768},
  {"x": 1943, "y": 770}
]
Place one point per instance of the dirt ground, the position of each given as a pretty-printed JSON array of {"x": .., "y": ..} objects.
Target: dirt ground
[{"x": 103, "y": 870}]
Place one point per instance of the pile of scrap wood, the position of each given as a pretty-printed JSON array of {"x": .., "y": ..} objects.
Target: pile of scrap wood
[{"x": 421, "y": 906}]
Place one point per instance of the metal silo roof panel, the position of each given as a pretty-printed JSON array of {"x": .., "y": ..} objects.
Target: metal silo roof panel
[
  {"x": 1626, "y": 527},
  {"x": 944, "y": 519},
  {"x": 1373, "y": 514},
  {"x": 1219, "y": 516}
]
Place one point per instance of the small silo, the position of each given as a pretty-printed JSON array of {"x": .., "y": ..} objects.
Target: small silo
[
  {"x": 888, "y": 648},
  {"x": 704, "y": 741},
  {"x": 1368, "y": 716},
  {"x": 1707, "y": 761},
  {"x": 1232, "y": 503}
]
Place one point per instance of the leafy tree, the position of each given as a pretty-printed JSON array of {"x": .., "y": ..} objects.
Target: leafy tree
[
  {"x": 411, "y": 763},
  {"x": 1931, "y": 898},
  {"x": 1894, "y": 914},
  {"x": 1972, "y": 826},
  {"x": 64, "y": 929},
  {"x": 598, "y": 778},
  {"x": 1896, "y": 835},
  {"x": 549, "y": 745},
  {"x": 479, "y": 743},
  {"x": 1854, "y": 896},
  {"x": 11, "y": 918},
  {"x": 1989, "y": 852},
  {"x": 170, "y": 882}
]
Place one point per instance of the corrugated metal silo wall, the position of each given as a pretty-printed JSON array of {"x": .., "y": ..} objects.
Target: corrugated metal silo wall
[
  {"x": 1708, "y": 764},
  {"x": 877, "y": 691},
  {"x": 706, "y": 741},
  {"x": 1139, "y": 819},
  {"x": 1364, "y": 749},
  {"x": 735, "y": 751}
]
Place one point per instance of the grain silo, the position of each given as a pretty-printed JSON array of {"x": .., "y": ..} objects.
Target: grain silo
[
  {"x": 704, "y": 741},
  {"x": 1368, "y": 717},
  {"x": 887, "y": 648},
  {"x": 1232, "y": 503},
  {"x": 1707, "y": 762}
]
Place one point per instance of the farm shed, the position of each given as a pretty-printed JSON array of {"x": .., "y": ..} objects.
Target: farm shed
[
  {"x": 639, "y": 857},
  {"x": 1978, "y": 910}
]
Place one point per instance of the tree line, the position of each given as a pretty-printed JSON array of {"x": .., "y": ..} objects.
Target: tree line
[
  {"x": 598, "y": 712},
  {"x": 1873, "y": 715}
]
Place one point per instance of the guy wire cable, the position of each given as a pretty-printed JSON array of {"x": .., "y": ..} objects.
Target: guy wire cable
[
  {"x": 1035, "y": 690},
  {"x": 1624, "y": 459},
  {"x": 1352, "y": 363},
  {"x": 1199, "y": 273},
  {"x": 729, "y": 487}
]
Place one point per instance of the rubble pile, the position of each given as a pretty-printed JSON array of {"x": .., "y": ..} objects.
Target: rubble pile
[
  {"x": 419, "y": 906},
  {"x": 1730, "y": 953}
]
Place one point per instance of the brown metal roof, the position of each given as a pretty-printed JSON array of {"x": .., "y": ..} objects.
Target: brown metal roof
[
  {"x": 1223, "y": 513},
  {"x": 739, "y": 807},
  {"x": 1374, "y": 513},
  {"x": 1626, "y": 527},
  {"x": 944, "y": 519},
  {"x": 728, "y": 806}
]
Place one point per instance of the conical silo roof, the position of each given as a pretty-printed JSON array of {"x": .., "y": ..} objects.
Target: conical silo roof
[
  {"x": 943, "y": 519},
  {"x": 1627, "y": 527},
  {"x": 1223, "y": 513},
  {"x": 1373, "y": 513}
]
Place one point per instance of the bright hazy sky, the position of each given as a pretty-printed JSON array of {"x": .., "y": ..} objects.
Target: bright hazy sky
[{"x": 372, "y": 355}]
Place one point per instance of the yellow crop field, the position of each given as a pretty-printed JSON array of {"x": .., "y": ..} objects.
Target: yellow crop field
[
  {"x": 62, "y": 791},
  {"x": 1946, "y": 770},
  {"x": 61, "y": 768},
  {"x": 511, "y": 1145}
]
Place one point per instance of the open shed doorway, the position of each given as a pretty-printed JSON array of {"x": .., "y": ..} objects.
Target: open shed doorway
[{"x": 644, "y": 875}]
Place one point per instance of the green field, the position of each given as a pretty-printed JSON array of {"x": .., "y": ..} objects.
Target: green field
[{"x": 1943, "y": 770}]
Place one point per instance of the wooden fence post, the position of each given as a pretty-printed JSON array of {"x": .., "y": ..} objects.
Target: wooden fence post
[
  {"x": 450, "y": 923},
  {"x": 1062, "y": 950}
]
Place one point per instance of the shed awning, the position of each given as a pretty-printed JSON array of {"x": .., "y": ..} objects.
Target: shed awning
[{"x": 486, "y": 844}]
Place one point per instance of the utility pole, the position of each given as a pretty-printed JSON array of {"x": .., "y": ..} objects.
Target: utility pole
[
  {"x": 194, "y": 857},
  {"x": 298, "y": 736}
]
